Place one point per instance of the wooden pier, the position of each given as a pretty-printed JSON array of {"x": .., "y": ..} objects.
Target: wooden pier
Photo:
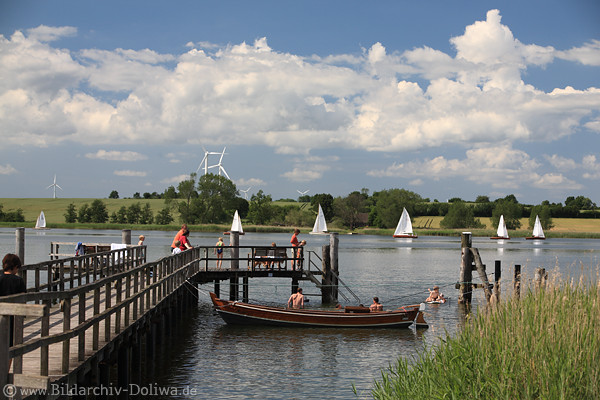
[{"x": 84, "y": 314}]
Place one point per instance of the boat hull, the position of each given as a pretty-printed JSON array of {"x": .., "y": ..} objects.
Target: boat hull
[
  {"x": 499, "y": 238},
  {"x": 535, "y": 238},
  {"x": 250, "y": 314},
  {"x": 406, "y": 236}
]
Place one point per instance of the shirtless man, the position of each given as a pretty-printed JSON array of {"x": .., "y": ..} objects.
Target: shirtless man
[
  {"x": 296, "y": 300},
  {"x": 376, "y": 306}
]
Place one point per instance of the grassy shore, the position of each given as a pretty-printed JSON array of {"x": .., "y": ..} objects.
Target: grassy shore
[
  {"x": 54, "y": 209},
  {"x": 544, "y": 346}
]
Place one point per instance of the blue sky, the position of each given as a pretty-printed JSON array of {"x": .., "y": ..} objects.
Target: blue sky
[{"x": 444, "y": 98}]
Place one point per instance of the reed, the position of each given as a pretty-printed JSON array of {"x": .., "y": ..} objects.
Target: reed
[{"x": 544, "y": 346}]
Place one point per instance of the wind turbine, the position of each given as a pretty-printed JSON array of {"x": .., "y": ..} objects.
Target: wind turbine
[
  {"x": 220, "y": 164},
  {"x": 54, "y": 186},
  {"x": 246, "y": 192},
  {"x": 303, "y": 193},
  {"x": 205, "y": 160}
]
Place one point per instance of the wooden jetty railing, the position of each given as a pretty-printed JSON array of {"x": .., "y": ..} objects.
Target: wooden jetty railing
[{"x": 81, "y": 314}]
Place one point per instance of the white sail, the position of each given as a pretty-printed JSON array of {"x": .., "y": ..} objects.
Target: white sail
[
  {"x": 41, "y": 221},
  {"x": 538, "y": 232},
  {"x": 236, "y": 226},
  {"x": 404, "y": 227},
  {"x": 320, "y": 223},
  {"x": 502, "y": 231}
]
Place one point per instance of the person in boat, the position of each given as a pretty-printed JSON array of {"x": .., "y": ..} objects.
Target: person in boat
[
  {"x": 178, "y": 235},
  {"x": 176, "y": 250},
  {"x": 219, "y": 252},
  {"x": 296, "y": 300},
  {"x": 185, "y": 243},
  {"x": 435, "y": 295},
  {"x": 11, "y": 283},
  {"x": 376, "y": 306}
]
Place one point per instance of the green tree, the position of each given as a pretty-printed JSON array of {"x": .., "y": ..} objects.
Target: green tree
[
  {"x": 71, "y": 214},
  {"x": 482, "y": 199},
  {"x": 326, "y": 202},
  {"x": 297, "y": 217},
  {"x": 146, "y": 215},
  {"x": 388, "y": 205},
  {"x": 216, "y": 199},
  {"x": 113, "y": 195},
  {"x": 512, "y": 214},
  {"x": 121, "y": 216},
  {"x": 187, "y": 192},
  {"x": 460, "y": 215},
  {"x": 580, "y": 203},
  {"x": 133, "y": 213},
  {"x": 350, "y": 208},
  {"x": 136, "y": 195},
  {"x": 97, "y": 212},
  {"x": 543, "y": 211},
  {"x": 163, "y": 217},
  {"x": 170, "y": 193},
  {"x": 84, "y": 216},
  {"x": 261, "y": 208}
]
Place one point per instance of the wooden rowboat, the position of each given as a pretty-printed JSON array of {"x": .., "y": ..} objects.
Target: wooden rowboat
[{"x": 236, "y": 312}]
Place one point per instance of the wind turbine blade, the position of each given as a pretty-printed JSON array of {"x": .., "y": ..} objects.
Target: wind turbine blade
[
  {"x": 224, "y": 172},
  {"x": 59, "y": 187}
]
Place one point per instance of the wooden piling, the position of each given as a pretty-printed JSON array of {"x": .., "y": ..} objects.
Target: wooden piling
[
  {"x": 540, "y": 278},
  {"x": 126, "y": 236},
  {"x": 234, "y": 242},
  {"x": 517, "y": 281},
  {"x": 333, "y": 255},
  {"x": 20, "y": 244},
  {"x": 326, "y": 278},
  {"x": 465, "y": 287},
  {"x": 482, "y": 274}
]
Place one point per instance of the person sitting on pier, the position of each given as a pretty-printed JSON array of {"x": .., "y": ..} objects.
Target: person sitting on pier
[
  {"x": 178, "y": 235},
  {"x": 435, "y": 295},
  {"x": 296, "y": 300},
  {"x": 376, "y": 306},
  {"x": 177, "y": 250},
  {"x": 185, "y": 244}
]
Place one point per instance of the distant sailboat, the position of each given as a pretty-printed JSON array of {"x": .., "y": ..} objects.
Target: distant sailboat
[
  {"x": 236, "y": 226},
  {"x": 502, "y": 232},
  {"x": 320, "y": 226},
  {"x": 41, "y": 221},
  {"x": 404, "y": 228},
  {"x": 538, "y": 232}
]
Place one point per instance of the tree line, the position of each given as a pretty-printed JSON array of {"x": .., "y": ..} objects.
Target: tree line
[{"x": 212, "y": 199}]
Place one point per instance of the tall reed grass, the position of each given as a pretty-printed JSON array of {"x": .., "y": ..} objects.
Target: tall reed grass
[{"x": 545, "y": 345}]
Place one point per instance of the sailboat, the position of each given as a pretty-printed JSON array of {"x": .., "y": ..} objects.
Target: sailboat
[
  {"x": 538, "y": 232},
  {"x": 236, "y": 226},
  {"x": 41, "y": 221},
  {"x": 404, "y": 228},
  {"x": 502, "y": 232},
  {"x": 320, "y": 226}
]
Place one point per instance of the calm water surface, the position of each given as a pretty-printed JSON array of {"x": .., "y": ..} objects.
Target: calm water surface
[{"x": 229, "y": 362}]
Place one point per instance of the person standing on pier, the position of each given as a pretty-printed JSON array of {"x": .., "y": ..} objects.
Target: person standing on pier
[
  {"x": 219, "y": 251},
  {"x": 296, "y": 300},
  {"x": 179, "y": 234},
  {"x": 295, "y": 244}
]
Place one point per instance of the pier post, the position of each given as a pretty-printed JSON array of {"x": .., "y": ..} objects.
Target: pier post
[
  {"x": 20, "y": 244},
  {"x": 540, "y": 278},
  {"x": 517, "y": 281},
  {"x": 218, "y": 288},
  {"x": 497, "y": 276},
  {"x": 233, "y": 288},
  {"x": 326, "y": 295},
  {"x": 245, "y": 296},
  {"x": 126, "y": 236},
  {"x": 333, "y": 255},
  {"x": 123, "y": 370},
  {"x": 234, "y": 242},
  {"x": 465, "y": 287}
]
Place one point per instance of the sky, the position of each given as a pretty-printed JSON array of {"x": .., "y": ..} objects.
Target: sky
[{"x": 443, "y": 98}]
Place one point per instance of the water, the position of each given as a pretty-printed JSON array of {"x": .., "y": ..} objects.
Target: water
[{"x": 231, "y": 362}]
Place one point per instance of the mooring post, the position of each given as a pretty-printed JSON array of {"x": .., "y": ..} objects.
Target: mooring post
[
  {"x": 482, "y": 274},
  {"x": 326, "y": 295},
  {"x": 333, "y": 255},
  {"x": 465, "y": 288},
  {"x": 234, "y": 242},
  {"x": 540, "y": 278},
  {"x": 245, "y": 296},
  {"x": 517, "y": 281},
  {"x": 126, "y": 236},
  {"x": 218, "y": 288},
  {"x": 233, "y": 288},
  {"x": 20, "y": 244},
  {"x": 497, "y": 276}
]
